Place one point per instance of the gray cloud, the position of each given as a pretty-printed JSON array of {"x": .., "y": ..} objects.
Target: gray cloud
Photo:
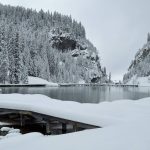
[{"x": 118, "y": 28}]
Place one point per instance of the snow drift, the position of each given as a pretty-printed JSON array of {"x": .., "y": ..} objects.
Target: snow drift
[{"x": 125, "y": 124}]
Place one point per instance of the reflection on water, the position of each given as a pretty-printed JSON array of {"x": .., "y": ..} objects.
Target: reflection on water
[{"x": 93, "y": 94}]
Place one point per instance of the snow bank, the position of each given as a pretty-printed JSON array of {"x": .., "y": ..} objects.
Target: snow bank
[
  {"x": 125, "y": 124},
  {"x": 36, "y": 80},
  {"x": 81, "y": 82},
  {"x": 141, "y": 81},
  {"x": 11, "y": 132},
  {"x": 7, "y": 129}
]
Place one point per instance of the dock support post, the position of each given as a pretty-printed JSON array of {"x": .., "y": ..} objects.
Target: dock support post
[
  {"x": 48, "y": 129},
  {"x": 64, "y": 128},
  {"x": 21, "y": 120},
  {"x": 75, "y": 128}
]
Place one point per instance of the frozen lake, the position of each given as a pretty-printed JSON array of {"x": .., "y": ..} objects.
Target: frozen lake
[{"x": 93, "y": 94}]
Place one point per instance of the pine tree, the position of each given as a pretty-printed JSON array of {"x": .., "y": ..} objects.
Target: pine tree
[
  {"x": 3, "y": 57},
  {"x": 17, "y": 60},
  {"x": 109, "y": 77},
  {"x": 104, "y": 70},
  {"x": 24, "y": 62}
]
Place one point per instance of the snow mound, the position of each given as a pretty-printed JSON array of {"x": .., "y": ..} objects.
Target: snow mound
[
  {"x": 6, "y": 129},
  {"x": 14, "y": 131},
  {"x": 12, "y": 135},
  {"x": 81, "y": 82},
  {"x": 36, "y": 80},
  {"x": 9, "y": 132},
  {"x": 125, "y": 124}
]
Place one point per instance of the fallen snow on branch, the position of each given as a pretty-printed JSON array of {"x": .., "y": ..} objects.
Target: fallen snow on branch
[{"x": 126, "y": 124}]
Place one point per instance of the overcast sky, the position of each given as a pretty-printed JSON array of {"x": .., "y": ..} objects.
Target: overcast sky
[{"x": 118, "y": 28}]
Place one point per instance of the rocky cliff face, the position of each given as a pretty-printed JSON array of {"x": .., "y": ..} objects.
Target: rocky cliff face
[
  {"x": 140, "y": 66},
  {"x": 82, "y": 53}
]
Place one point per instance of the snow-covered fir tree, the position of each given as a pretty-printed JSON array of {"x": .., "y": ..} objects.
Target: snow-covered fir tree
[
  {"x": 17, "y": 60},
  {"x": 24, "y": 62},
  {"x": 109, "y": 79},
  {"x": 3, "y": 57}
]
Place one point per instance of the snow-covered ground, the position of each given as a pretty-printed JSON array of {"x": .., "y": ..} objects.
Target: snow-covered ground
[
  {"x": 141, "y": 81},
  {"x": 126, "y": 124},
  {"x": 36, "y": 80},
  {"x": 10, "y": 132}
]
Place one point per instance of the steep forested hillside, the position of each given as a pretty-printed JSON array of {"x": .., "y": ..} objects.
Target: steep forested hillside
[
  {"x": 140, "y": 66},
  {"x": 47, "y": 45}
]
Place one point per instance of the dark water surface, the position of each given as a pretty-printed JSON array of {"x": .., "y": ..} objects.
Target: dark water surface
[{"x": 92, "y": 94}]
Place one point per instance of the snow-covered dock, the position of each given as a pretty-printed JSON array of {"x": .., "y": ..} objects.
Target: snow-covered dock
[
  {"x": 33, "y": 82},
  {"x": 38, "y": 109},
  {"x": 44, "y": 105},
  {"x": 97, "y": 84},
  {"x": 22, "y": 85},
  {"x": 125, "y": 124},
  {"x": 47, "y": 124}
]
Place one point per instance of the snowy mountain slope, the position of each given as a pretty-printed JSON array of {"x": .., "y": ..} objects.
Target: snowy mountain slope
[
  {"x": 46, "y": 45},
  {"x": 141, "y": 81},
  {"x": 140, "y": 66}
]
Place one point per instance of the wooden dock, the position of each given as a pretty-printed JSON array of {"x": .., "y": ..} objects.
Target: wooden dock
[
  {"x": 29, "y": 121},
  {"x": 23, "y": 85},
  {"x": 67, "y": 85},
  {"x": 97, "y": 84}
]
